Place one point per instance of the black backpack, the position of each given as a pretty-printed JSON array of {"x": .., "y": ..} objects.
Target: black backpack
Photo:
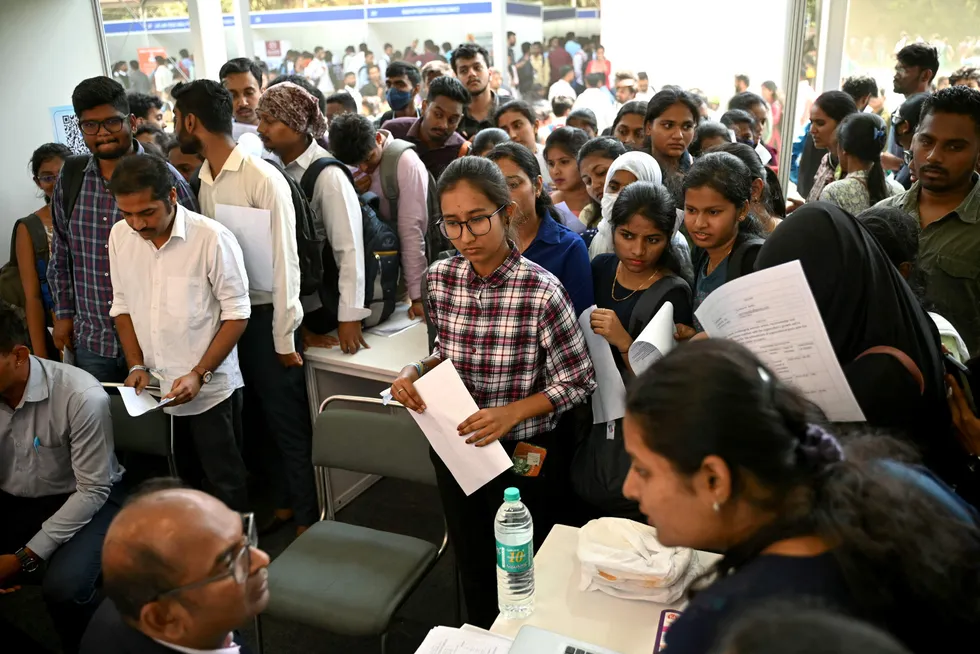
[
  {"x": 310, "y": 233},
  {"x": 600, "y": 463},
  {"x": 741, "y": 260},
  {"x": 381, "y": 260}
]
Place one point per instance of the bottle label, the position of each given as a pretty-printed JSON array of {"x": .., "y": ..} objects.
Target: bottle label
[{"x": 515, "y": 558}]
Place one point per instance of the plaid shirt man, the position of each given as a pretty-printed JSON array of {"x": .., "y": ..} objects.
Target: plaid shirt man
[
  {"x": 82, "y": 290},
  {"x": 510, "y": 335}
]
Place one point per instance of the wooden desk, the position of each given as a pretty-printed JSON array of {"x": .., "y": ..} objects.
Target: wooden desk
[
  {"x": 627, "y": 626},
  {"x": 368, "y": 372}
]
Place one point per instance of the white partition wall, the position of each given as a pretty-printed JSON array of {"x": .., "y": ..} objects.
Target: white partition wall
[{"x": 73, "y": 25}]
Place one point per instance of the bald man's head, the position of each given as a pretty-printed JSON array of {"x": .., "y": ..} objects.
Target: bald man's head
[{"x": 170, "y": 562}]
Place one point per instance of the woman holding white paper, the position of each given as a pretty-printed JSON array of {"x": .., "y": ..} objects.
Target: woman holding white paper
[
  {"x": 509, "y": 329},
  {"x": 645, "y": 263}
]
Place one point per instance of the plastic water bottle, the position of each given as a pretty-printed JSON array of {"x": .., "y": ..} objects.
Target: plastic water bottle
[{"x": 514, "y": 530}]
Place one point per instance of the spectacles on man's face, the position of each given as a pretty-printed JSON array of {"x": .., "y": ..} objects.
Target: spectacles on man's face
[
  {"x": 238, "y": 563},
  {"x": 92, "y": 127},
  {"x": 477, "y": 225},
  {"x": 907, "y": 157}
]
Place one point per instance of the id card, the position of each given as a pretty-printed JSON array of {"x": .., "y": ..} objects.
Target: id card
[
  {"x": 528, "y": 459},
  {"x": 667, "y": 618}
]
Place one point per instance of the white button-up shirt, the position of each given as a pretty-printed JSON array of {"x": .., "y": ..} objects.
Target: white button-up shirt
[
  {"x": 248, "y": 181},
  {"x": 177, "y": 298},
  {"x": 335, "y": 202}
]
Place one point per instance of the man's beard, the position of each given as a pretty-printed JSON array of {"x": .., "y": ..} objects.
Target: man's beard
[
  {"x": 117, "y": 153},
  {"x": 189, "y": 144}
]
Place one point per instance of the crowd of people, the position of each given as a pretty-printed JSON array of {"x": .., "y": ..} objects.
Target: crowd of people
[{"x": 506, "y": 228}]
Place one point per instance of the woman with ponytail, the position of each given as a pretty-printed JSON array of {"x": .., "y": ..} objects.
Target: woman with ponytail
[
  {"x": 757, "y": 474},
  {"x": 860, "y": 140}
]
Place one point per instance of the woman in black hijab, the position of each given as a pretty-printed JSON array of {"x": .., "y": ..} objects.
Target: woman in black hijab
[{"x": 884, "y": 340}]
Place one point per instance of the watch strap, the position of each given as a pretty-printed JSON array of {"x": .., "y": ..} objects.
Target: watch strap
[
  {"x": 28, "y": 562},
  {"x": 139, "y": 367}
]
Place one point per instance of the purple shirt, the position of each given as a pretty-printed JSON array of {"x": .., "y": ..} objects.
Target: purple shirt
[
  {"x": 82, "y": 289},
  {"x": 435, "y": 159}
]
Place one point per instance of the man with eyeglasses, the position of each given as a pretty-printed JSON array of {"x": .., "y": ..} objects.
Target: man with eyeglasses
[
  {"x": 84, "y": 212},
  {"x": 181, "y": 572}
]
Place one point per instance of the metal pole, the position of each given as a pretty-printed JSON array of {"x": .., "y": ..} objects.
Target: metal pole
[
  {"x": 104, "y": 47},
  {"x": 793, "y": 56}
]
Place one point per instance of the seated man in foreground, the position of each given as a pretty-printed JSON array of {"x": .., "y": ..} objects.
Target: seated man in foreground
[
  {"x": 57, "y": 469},
  {"x": 181, "y": 571}
]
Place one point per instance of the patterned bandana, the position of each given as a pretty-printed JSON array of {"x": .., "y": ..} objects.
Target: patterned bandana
[{"x": 294, "y": 106}]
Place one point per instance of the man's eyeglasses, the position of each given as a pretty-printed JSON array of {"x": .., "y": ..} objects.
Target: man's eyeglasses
[
  {"x": 92, "y": 127},
  {"x": 907, "y": 157},
  {"x": 238, "y": 563},
  {"x": 477, "y": 225}
]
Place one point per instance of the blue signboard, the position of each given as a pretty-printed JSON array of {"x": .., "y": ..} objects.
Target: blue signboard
[
  {"x": 518, "y": 9},
  {"x": 421, "y": 11},
  {"x": 588, "y": 13},
  {"x": 305, "y": 16},
  {"x": 156, "y": 25},
  {"x": 559, "y": 14}
]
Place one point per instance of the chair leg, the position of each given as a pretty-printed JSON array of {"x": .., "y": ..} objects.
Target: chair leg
[
  {"x": 258, "y": 635},
  {"x": 459, "y": 598},
  {"x": 384, "y": 643}
]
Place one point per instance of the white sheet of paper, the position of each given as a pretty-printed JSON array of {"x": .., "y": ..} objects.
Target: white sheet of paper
[
  {"x": 609, "y": 399},
  {"x": 655, "y": 341},
  {"x": 772, "y": 312},
  {"x": 137, "y": 405},
  {"x": 447, "y": 640},
  {"x": 447, "y": 405},
  {"x": 764, "y": 154},
  {"x": 396, "y": 323},
  {"x": 253, "y": 229}
]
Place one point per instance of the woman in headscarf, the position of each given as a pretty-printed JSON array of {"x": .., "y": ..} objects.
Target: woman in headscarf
[
  {"x": 884, "y": 340},
  {"x": 625, "y": 170}
]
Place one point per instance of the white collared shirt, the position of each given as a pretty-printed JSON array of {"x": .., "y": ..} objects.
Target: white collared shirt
[
  {"x": 177, "y": 297},
  {"x": 231, "y": 649},
  {"x": 247, "y": 181},
  {"x": 336, "y": 203}
]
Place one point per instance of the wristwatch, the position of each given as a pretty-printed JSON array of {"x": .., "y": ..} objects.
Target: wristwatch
[
  {"x": 206, "y": 375},
  {"x": 28, "y": 562}
]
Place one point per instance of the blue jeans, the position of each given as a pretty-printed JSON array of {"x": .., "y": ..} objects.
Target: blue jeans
[
  {"x": 69, "y": 582},
  {"x": 105, "y": 369}
]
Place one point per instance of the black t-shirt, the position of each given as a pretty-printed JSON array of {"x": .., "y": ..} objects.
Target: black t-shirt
[
  {"x": 603, "y": 274},
  {"x": 768, "y": 577}
]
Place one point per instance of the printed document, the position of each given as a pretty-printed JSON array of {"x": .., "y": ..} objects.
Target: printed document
[
  {"x": 137, "y": 405},
  {"x": 655, "y": 341},
  {"x": 253, "y": 229},
  {"x": 466, "y": 640},
  {"x": 772, "y": 312},
  {"x": 609, "y": 399},
  {"x": 447, "y": 404}
]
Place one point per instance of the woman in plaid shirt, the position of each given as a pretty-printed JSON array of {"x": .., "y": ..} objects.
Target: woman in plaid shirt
[{"x": 510, "y": 330}]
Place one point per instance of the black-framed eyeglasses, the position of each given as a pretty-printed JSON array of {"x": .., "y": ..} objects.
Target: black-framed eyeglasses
[
  {"x": 92, "y": 127},
  {"x": 477, "y": 225},
  {"x": 239, "y": 563},
  {"x": 47, "y": 179}
]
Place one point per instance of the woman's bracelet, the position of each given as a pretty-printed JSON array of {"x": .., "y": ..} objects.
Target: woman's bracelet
[{"x": 419, "y": 368}]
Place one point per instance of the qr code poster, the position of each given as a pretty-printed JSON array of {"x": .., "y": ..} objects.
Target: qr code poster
[{"x": 66, "y": 129}]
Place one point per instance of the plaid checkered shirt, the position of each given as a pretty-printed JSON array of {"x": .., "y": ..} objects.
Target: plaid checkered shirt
[
  {"x": 85, "y": 293},
  {"x": 510, "y": 335}
]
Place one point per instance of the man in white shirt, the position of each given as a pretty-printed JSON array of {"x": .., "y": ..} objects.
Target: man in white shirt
[
  {"x": 356, "y": 142},
  {"x": 563, "y": 87},
  {"x": 596, "y": 100},
  {"x": 643, "y": 90},
  {"x": 180, "y": 304},
  {"x": 290, "y": 123},
  {"x": 243, "y": 79},
  {"x": 163, "y": 78},
  {"x": 275, "y": 386},
  {"x": 181, "y": 573}
]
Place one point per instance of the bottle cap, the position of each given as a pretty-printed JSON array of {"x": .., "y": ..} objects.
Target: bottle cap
[{"x": 512, "y": 495}]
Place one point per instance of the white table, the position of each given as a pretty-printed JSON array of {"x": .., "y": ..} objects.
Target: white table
[
  {"x": 626, "y": 626},
  {"x": 330, "y": 372}
]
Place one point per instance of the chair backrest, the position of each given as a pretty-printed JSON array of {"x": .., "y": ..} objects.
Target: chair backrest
[
  {"x": 372, "y": 439},
  {"x": 147, "y": 434}
]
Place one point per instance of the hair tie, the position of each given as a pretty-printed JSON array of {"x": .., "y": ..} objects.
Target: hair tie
[
  {"x": 819, "y": 446},
  {"x": 879, "y": 133}
]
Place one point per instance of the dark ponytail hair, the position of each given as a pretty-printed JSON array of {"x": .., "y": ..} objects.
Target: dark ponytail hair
[
  {"x": 526, "y": 161},
  {"x": 655, "y": 203},
  {"x": 726, "y": 174},
  {"x": 907, "y": 549},
  {"x": 47, "y": 152},
  {"x": 772, "y": 195},
  {"x": 862, "y": 135}
]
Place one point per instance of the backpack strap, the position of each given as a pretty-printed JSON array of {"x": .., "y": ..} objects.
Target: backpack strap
[
  {"x": 389, "y": 167},
  {"x": 649, "y": 302},
  {"x": 39, "y": 237},
  {"x": 72, "y": 178},
  {"x": 747, "y": 250},
  {"x": 312, "y": 174},
  {"x": 903, "y": 358},
  {"x": 195, "y": 183}
]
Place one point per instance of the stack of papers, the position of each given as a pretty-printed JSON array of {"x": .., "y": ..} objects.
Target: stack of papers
[
  {"x": 609, "y": 399},
  {"x": 655, "y": 341},
  {"x": 396, "y": 323},
  {"x": 465, "y": 640}
]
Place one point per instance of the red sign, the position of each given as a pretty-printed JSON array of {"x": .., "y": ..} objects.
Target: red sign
[
  {"x": 273, "y": 49},
  {"x": 148, "y": 58}
]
